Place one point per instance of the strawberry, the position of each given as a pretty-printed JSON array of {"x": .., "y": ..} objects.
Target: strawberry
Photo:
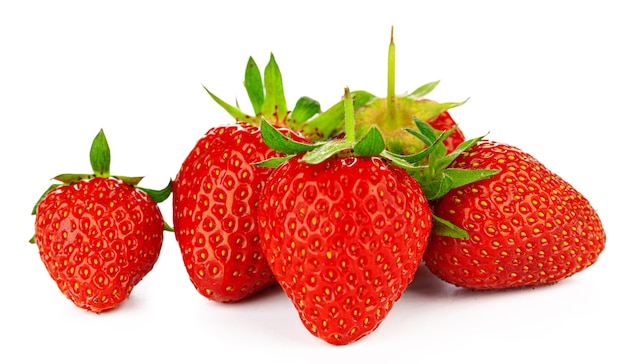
[
  {"x": 525, "y": 226},
  {"x": 343, "y": 230},
  {"x": 98, "y": 235},
  {"x": 216, "y": 192},
  {"x": 393, "y": 113}
]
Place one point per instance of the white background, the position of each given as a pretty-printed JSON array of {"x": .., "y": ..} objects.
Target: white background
[{"x": 547, "y": 76}]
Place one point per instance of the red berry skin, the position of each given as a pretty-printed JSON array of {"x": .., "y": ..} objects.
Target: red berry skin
[
  {"x": 444, "y": 122},
  {"x": 526, "y": 225},
  {"x": 215, "y": 203},
  {"x": 344, "y": 238},
  {"x": 98, "y": 238}
]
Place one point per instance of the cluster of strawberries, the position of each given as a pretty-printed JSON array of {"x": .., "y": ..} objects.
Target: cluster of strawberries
[{"x": 340, "y": 208}]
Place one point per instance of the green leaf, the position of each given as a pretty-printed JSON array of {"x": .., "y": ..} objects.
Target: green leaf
[
  {"x": 429, "y": 109},
  {"x": 254, "y": 85},
  {"x": 426, "y": 133},
  {"x": 304, "y": 110},
  {"x": 167, "y": 227},
  {"x": 438, "y": 153},
  {"x": 68, "y": 178},
  {"x": 100, "y": 155},
  {"x": 423, "y": 90},
  {"x": 441, "y": 183},
  {"x": 427, "y": 130},
  {"x": 461, "y": 177},
  {"x": 281, "y": 142},
  {"x": 372, "y": 144},
  {"x": 158, "y": 195},
  {"x": 418, "y": 157},
  {"x": 133, "y": 181},
  {"x": 436, "y": 186},
  {"x": 273, "y": 162},
  {"x": 445, "y": 161},
  {"x": 425, "y": 139},
  {"x": 327, "y": 150},
  {"x": 446, "y": 228},
  {"x": 274, "y": 103},
  {"x": 233, "y": 111},
  {"x": 399, "y": 161}
]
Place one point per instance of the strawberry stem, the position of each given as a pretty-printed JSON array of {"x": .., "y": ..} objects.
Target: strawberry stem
[
  {"x": 350, "y": 124},
  {"x": 391, "y": 84}
]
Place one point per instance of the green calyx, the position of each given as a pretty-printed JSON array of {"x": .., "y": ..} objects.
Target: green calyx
[
  {"x": 435, "y": 175},
  {"x": 391, "y": 114},
  {"x": 267, "y": 96},
  {"x": 370, "y": 144},
  {"x": 100, "y": 159}
]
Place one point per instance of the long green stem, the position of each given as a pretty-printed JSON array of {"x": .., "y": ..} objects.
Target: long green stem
[
  {"x": 350, "y": 126},
  {"x": 391, "y": 84}
]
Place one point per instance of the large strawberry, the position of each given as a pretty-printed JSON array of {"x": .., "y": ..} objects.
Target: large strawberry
[
  {"x": 525, "y": 226},
  {"x": 216, "y": 192},
  {"x": 393, "y": 113},
  {"x": 343, "y": 230},
  {"x": 98, "y": 235}
]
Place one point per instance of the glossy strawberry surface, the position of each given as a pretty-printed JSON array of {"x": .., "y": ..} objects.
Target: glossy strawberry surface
[
  {"x": 98, "y": 238},
  {"x": 526, "y": 225},
  {"x": 344, "y": 239},
  {"x": 215, "y": 203}
]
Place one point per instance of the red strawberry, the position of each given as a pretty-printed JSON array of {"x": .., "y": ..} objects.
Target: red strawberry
[
  {"x": 99, "y": 235},
  {"x": 526, "y": 226},
  {"x": 343, "y": 235},
  {"x": 216, "y": 193}
]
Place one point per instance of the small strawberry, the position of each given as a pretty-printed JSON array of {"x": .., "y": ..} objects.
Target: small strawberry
[
  {"x": 393, "y": 113},
  {"x": 216, "y": 192},
  {"x": 98, "y": 235},
  {"x": 343, "y": 230},
  {"x": 525, "y": 226}
]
